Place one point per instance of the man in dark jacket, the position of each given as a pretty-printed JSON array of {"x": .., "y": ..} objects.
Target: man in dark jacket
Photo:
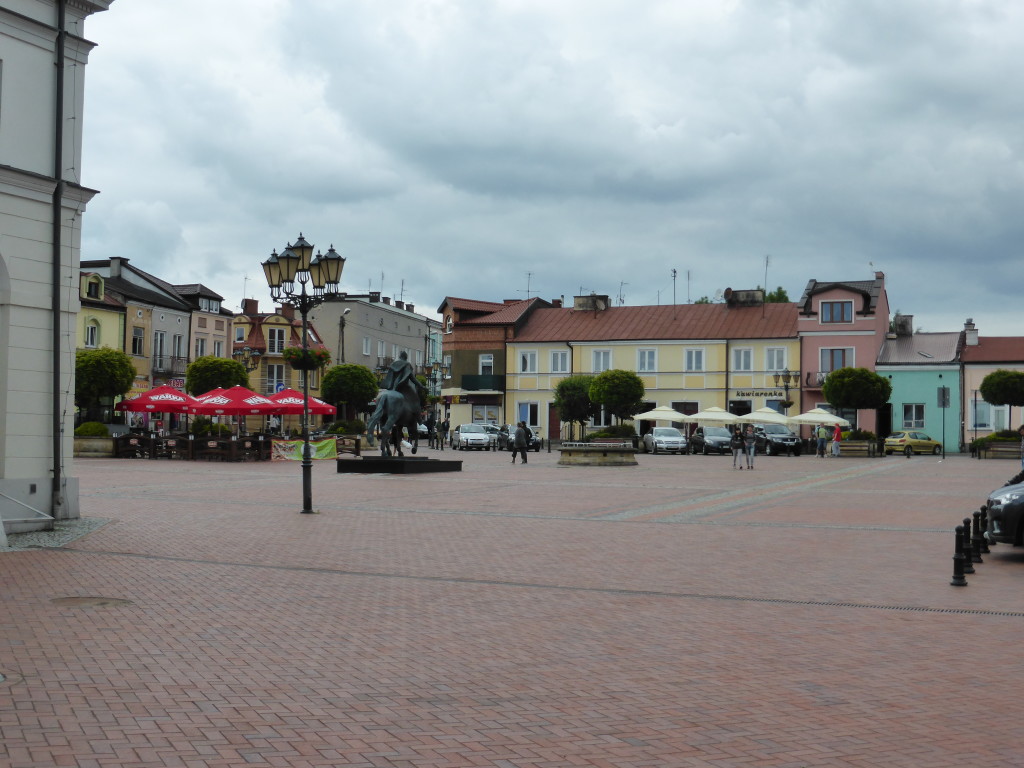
[{"x": 519, "y": 442}]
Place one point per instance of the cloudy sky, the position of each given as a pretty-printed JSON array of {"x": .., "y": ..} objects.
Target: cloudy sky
[{"x": 497, "y": 149}]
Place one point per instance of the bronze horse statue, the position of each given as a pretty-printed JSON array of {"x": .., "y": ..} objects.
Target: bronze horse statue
[{"x": 394, "y": 411}]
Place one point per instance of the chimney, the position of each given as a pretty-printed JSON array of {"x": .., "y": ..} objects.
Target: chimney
[
  {"x": 970, "y": 333},
  {"x": 287, "y": 311},
  {"x": 879, "y": 275},
  {"x": 115, "y": 265},
  {"x": 904, "y": 325},
  {"x": 386, "y": 300},
  {"x": 399, "y": 304},
  {"x": 557, "y": 303},
  {"x": 250, "y": 306},
  {"x": 410, "y": 307},
  {"x": 374, "y": 296}
]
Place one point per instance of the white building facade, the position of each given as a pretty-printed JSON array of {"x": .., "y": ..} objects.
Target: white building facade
[{"x": 41, "y": 208}]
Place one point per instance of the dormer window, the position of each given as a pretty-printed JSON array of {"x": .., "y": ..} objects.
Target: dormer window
[
  {"x": 449, "y": 324},
  {"x": 837, "y": 312}
]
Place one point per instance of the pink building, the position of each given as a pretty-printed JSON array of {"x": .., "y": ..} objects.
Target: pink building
[{"x": 841, "y": 325}]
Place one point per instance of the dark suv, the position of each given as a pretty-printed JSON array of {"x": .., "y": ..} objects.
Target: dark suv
[
  {"x": 710, "y": 440},
  {"x": 1006, "y": 515},
  {"x": 776, "y": 439}
]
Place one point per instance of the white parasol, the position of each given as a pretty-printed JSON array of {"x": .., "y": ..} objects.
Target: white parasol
[
  {"x": 661, "y": 413},
  {"x": 819, "y": 416}
]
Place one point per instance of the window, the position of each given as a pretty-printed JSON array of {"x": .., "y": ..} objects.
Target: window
[
  {"x": 200, "y": 346},
  {"x": 201, "y": 322},
  {"x": 314, "y": 379},
  {"x": 695, "y": 360},
  {"x": 159, "y": 337},
  {"x": 177, "y": 345},
  {"x": 209, "y": 305},
  {"x": 92, "y": 289},
  {"x": 743, "y": 359},
  {"x": 275, "y": 341},
  {"x": 382, "y": 348},
  {"x": 275, "y": 378},
  {"x": 138, "y": 341},
  {"x": 218, "y": 325},
  {"x": 486, "y": 365},
  {"x": 834, "y": 359},
  {"x": 394, "y": 351},
  {"x": 367, "y": 345},
  {"x": 982, "y": 414},
  {"x": 239, "y": 334},
  {"x": 92, "y": 334},
  {"x": 218, "y": 348},
  {"x": 837, "y": 311},
  {"x": 528, "y": 364},
  {"x": 419, "y": 357},
  {"x": 602, "y": 359},
  {"x": 528, "y": 412},
  {"x": 603, "y": 419},
  {"x": 447, "y": 363},
  {"x": 913, "y": 415},
  {"x": 560, "y": 362},
  {"x": 647, "y": 360},
  {"x": 775, "y": 359}
]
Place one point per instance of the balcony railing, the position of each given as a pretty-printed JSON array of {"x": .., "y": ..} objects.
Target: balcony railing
[
  {"x": 168, "y": 365},
  {"x": 472, "y": 382}
]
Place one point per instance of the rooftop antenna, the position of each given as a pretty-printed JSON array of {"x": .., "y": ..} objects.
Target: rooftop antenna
[
  {"x": 382, "y": 282},
  {"x": 245, "y": 281},
  {"x": 528, "y": 292},
  {"x": 401, "y": 290},
  {"x": 688, "y": 286},
  {"x": 767, "y": 258},
  {"x": 673, "y": 290},
  {"x": 622, "y": 299}
]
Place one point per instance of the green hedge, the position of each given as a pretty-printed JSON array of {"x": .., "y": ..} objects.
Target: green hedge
[{"x": 92, "y": 429}]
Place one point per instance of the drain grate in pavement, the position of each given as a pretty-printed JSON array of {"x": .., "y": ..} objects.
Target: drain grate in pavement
[{"x": 88, "y": 601}]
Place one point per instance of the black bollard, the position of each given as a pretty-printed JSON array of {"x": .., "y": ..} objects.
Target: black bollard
[
  {"x": 984, "y": 529},
  {"x": 958, "y": 559},
  {"x": 965, "y": 545},
  {"x": 976, "y": 539}
]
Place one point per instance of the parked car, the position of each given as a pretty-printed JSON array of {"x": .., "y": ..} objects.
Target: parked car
[
  {"x": 709, "y": 440},
  {"x": 507, "y": 434},
  {"x": 665, "y": 440},
  {"x": 471, "y": 437},
  {"x": 776, "y": 439},
  {"x": 909, "y": 443},
  {"x": 1006, "y": 515}
]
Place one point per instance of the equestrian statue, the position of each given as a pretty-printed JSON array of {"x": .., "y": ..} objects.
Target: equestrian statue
[{"x": 398, "y": 406}]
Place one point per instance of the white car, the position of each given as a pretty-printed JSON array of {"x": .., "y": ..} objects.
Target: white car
[
  {"x": 665, "y": 440},
  {"x": 471, "y": 436}
]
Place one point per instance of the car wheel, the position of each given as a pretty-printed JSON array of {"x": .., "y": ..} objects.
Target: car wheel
[
  {"x": 937, "y": 451},
  {"x": 704, "y": 450},
  {"x": 888, "y": 453},
  {"x": 908, "y": 451},
  {"x": 654, "y": 448}
]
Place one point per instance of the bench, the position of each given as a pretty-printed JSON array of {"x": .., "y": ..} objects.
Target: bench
[
  {"x": 865, "y": 448},
  {"x": 1000, "y": 450},
  {"x": 349, "y": 444}
]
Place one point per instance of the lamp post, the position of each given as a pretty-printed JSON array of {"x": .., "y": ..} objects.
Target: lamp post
[
  {"x": 248, "y": 357},
  {"x": 785, "y": 378},
  {"x": 305, "y": 281}
]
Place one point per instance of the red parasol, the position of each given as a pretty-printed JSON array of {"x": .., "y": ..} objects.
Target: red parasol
[
  {"x": 162, "y": 399},
  {"x": 237, "y": 401},
  {"x": 290, "y": 401}
]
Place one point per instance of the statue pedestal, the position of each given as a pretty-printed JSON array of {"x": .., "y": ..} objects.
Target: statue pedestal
[{"x": 394, "y": 465}]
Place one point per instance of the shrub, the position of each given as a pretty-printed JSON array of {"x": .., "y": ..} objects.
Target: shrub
[
  {"x": 203, "y": 426},
  {"x": 92, "y": 429},
  {"x": 621, "y": 431},
  {"x": 347, "y": 427},
  {"x": 859, "y": 434}
]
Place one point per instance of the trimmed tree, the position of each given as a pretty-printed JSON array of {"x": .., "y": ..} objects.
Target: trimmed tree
[
  {"x": 856, "y": 388},
  {"x": 573, "y": 403},
  {"x": 1002, "y": 387},
  {"x": 350, "y": 387},
  {"x": 209, "y": 372},
  {"x": 100, "y": 376},
  {"x": 620, "y": 392}
]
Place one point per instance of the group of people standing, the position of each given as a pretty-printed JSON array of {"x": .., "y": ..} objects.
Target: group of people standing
[
  {"x": 823, "y": 432},
  {"x": 743, "y": 443}
]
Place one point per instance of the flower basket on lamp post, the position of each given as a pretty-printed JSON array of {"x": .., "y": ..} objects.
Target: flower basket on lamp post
[{"x": 306, "y": 359}]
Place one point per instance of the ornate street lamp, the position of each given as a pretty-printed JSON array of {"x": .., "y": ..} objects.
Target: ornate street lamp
[
  {"x": 305, "y": 281},
  {"x": 248, "y": 357},
  {"x": 785, "y": 379}
]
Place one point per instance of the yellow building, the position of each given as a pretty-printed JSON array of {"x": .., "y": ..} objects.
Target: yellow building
[{"x": 740, "y": 355}]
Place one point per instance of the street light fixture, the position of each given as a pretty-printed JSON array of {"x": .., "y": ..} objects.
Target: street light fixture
[
  {"x": 248, "y": 357},
  {"x": 305, "y": 281},
  {"x": 785, "y": 378}
]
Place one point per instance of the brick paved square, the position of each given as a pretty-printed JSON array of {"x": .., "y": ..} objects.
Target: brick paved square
[{"x": 677, "y": 613}]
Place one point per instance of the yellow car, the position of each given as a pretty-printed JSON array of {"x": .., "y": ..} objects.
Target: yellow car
[{"x": 910, "y": 442}]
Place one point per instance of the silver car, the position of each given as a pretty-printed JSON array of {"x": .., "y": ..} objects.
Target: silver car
[
  {"x": 471, "y": 436},
  {"x": 665, "y": 440}
]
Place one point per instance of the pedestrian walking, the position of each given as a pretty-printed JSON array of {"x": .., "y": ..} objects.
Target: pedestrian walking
[
  {"x": 750, "y": 445},
  {"x": 837, "y": 438},
  {"x": 822, "y": 435},
  {"x": 519, "y": 442},
  {"x": 736, "y": 443}
]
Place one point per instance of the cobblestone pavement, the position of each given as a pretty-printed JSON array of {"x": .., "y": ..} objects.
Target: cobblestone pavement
[{"x": 677, "y": 613}]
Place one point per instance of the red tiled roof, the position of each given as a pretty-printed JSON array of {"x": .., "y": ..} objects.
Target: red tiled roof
[
  {"x": 507, "y": 313},
  {"x": 681, "y": 321},
  {"x": 472, "y": 305},
  {"x": 995, "y": 349}
]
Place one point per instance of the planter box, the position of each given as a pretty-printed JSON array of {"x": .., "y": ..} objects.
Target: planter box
[
  {"x": 94, "y": 448},
  {"x": 868, "y": 448}
]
